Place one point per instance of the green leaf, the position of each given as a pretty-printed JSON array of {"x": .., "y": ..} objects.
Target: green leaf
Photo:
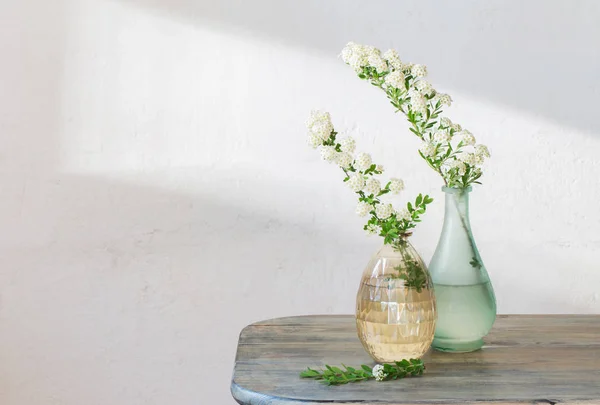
[{"x": 310, "y": 373}]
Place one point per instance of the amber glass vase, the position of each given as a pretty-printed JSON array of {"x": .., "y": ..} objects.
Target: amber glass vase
[{"x": 395, "y": 305}]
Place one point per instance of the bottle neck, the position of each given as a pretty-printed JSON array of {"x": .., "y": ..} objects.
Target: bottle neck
[{"x": 457, "y": 208}]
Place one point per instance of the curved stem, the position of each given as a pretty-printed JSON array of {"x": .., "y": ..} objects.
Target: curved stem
[{"x": 463, "y": 221}]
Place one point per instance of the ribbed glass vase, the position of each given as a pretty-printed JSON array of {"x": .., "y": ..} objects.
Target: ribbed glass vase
[
  {"x": 395, "y": 305},
  {"x": 464, "y": 293}
]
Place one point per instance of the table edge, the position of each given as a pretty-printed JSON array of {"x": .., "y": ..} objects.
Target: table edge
[{"x": 248, "y": 397}]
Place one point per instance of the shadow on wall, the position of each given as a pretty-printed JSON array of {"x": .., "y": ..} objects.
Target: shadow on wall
[
  {"x": 494, "y": 50},
  {"x": 132, "y": 287}
]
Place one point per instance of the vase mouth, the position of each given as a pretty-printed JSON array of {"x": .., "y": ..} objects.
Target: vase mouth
[{"x": 457, "y": 190}]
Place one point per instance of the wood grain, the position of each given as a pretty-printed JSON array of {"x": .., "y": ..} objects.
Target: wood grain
[{"x": 527, "y": 359}]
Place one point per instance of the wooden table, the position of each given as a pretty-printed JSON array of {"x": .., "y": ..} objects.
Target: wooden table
[{"x": 527, "y": 359}]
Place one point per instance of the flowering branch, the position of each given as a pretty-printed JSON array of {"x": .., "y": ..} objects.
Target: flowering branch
[
  {"x": 332, "y": 375},
  {"x": 361, "y": 176},
  {"x": 446, "y": 147}
]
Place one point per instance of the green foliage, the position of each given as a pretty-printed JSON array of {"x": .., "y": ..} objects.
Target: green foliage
[
  {"x": 413, "y": 275},
  {"x": 411, "y": 271},
  {"x": 332, "y": 375},
  {"x": 475, "y": 263}
]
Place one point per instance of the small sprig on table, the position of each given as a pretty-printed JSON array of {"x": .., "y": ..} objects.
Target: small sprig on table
[{"x": 333, "y": 375}]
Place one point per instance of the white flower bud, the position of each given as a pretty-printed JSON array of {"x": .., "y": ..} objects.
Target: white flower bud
[
  {"x": 372, "y": 187},
  {"x": 344, "y": 160},
  {"x": 425, "y": 88},
  {"x": 328, "y": 153},
  {"x": 466, "y": 137},
  {"x": 482, "y": 150},
  {"x": 356, "y": 182},
  {"x": 363, "y": 161},
  {"x": 363, "y": 208},
  {"x": 396, "y": 79},
  {"x": 441, "y": 136},
  {"x": 403, "y": 214},
  {"x": 419, "y": 71},
  {"x": 427, "y": 149},
  {"x": 396, "y": 185},
  {"x": 379, "y": 373},
  {"x": 444, "y": 99},
  {"x": 348, "y": 145},
  {"x": 384, "y": 211},
  {"x": 391, "y": 55},
  {"x": 372, "y": 229}
]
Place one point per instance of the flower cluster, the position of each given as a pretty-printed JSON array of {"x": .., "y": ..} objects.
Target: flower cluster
[
  {"x": 361, "y": 175},
  {"x": 379, "y": 373},
  {"x": 448, "y": 148}
]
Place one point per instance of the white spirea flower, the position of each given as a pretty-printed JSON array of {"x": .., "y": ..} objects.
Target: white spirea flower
[
  {"x": 441, "y": 136},
  {"x": 462, "y": 168},
  {"x": 356, "y": 182},
  {"x": 482, "y": 150},
  {"x": 319, "y": 124},
  {"x": 407, "y": 67},
  {"x": 444, "y": 99},
  {"x": 363, "y": 208},
  {"x": 425, "y": 88},
  {"x": 348, "y": 51},
  {"x": 379, "y": 373},
  {"x": 395, "y": 79},
  {"x": 322, "y": 129},
  {"x": 417, "y": 101},
  {"x": 396, "y": 185},
  {"x": 466, "y": 137},
  {"x": 468, "y": 158},
  {"x": 359, "y": 56},
  {"x": 372, "y": 186},
  {"x": 427, "y": 149},
  {"x": 379, "y": 168},
  {"x": 419, "y": 71},
  {"x": 328, "y": 153},
  {"x": 356, "y": 56},
  {"x": 372, "y": 229},
  {"x": 344, "y": 160},
  {"x": 363, "y": 161},
  {"x": 391, "y": 55},
  {"x": 348, "y": 145},
  {"x": 317, "y": 116},
  {"x": 378, "y": 62},
  {"x": 314, "y": 140},
  {"x": 384, "y": 211},
  {"x": 445, "y": 122},
  {"x": 456, "y": 127},
  {"x": 403, "y": 214},
  {"x": 419, "y": 105}
]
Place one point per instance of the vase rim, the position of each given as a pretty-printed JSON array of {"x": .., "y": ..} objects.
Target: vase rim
[{"x": 456, "y": 190}]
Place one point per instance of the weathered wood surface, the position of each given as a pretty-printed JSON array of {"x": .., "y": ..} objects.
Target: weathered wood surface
[{"x": 527, "y": 359}]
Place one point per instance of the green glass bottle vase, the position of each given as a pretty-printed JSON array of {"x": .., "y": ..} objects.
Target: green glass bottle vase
[{"x": 465, "y": 298}]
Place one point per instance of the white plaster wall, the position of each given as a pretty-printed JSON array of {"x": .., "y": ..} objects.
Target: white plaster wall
[{"x": 157, "y": 193}]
